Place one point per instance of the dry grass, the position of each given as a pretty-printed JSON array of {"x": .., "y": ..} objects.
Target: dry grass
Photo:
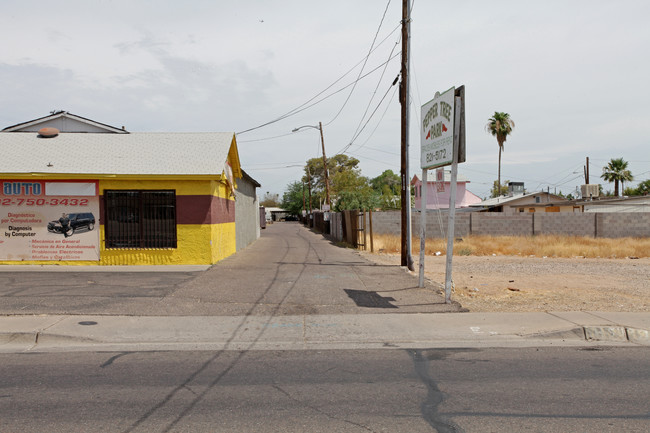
[{"x": 539, "y": 246}]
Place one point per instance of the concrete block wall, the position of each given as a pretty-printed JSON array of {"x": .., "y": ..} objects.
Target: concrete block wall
[
  {"x": 496, "y": 224},
  {"x": 572, "y": 224},
  {"x": 437, "y": 223},
  {"x": 388, "y": 222},
  {"x": 620, "y": 225},
  {"x": 606, "y": 225}
]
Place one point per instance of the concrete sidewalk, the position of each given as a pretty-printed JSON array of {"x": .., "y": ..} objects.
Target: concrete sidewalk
[
  {"x": 127, "y": 333},
  {"x": 292, "y": 289}
]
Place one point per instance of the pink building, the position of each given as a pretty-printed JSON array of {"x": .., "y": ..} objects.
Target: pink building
[{"x": 438, "y": 192}]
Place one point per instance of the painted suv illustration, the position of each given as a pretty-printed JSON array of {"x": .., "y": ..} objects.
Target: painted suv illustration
[{"x": 77, "y": 221}]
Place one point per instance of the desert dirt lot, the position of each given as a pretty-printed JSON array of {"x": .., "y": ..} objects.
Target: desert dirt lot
[{"x": 517, "y": 284}]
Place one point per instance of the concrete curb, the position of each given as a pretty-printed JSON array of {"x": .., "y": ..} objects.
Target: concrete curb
[
  {"x": 60, "y": 333},
  {"x": 601, "y": 333},
  {"x": 104, "y": 268}
]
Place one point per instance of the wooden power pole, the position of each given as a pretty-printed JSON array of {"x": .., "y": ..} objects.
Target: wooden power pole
[
  {"x": 327, "y": 180},
  {"x": 406, "y": 259}
]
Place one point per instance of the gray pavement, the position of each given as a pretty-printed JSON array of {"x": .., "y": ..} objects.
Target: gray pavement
[
  {"x": 292, "y": 289},
  {"x": 289, "y": 270},
  {"x": 304, "y": 332}
]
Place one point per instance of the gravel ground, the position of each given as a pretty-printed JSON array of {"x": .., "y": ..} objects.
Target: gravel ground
[{"x": 509, "y": 283}]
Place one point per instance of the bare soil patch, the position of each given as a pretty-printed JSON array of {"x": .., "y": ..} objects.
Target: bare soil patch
[{"x": 519, "y": 284}]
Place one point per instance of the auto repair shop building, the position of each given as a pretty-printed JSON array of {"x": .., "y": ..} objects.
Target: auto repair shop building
[{"x": 80, "y": 192}]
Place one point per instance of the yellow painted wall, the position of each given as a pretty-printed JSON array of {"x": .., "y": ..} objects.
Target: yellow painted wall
[{"x": 200, "y": 244}]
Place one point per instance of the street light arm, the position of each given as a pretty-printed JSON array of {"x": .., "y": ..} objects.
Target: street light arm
[{"x": 304, "y": 126}]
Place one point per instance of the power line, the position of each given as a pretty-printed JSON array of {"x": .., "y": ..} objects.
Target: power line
[
  {"x": 374, "y": 93},
  {"x": 305, "y": 105},
  {"x": 362, "y": 67},
  {"x": 264, "y": 139},
  {"x": 369, "y": 118}
]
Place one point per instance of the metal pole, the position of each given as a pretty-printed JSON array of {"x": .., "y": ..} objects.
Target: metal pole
[
  {"x": 372, "y": 248},
  {"x": 423, "y": 222},
  {"x": 452, "y": 203}
]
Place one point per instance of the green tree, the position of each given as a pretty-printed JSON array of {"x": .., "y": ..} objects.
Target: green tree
[
  {"x": 500, "y": 125},
  {"x": 387, "y": 187},
  {"x": 292, "y": 198},
  {"x": 352, "y": 191},
  {"x": 616, "y": 171},
  {"x": 642, "y": 188},
  {"x": 336, "y": 165},
  {"x": 499, "y": 191}
]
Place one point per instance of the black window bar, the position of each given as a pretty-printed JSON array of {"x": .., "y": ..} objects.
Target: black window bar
[{"x": 140, "y": 219}]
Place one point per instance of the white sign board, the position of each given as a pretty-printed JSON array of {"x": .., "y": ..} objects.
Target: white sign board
[
  {"x": 49, "y": 220},
  {"x": 437, "y": 131}
]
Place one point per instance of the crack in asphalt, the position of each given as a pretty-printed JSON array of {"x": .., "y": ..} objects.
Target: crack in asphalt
[{"x": 430, "y": 406}]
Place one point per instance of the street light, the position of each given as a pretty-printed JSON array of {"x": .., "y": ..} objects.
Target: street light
[{"x": 327, "y": 180}]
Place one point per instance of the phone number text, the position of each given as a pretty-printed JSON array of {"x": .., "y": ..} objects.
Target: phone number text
[{"x": 43, "y": 202}]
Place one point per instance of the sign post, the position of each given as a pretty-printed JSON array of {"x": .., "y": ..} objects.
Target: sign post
[{"x": 442, "y": 140}]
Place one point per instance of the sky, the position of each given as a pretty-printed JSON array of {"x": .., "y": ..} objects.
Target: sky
[{"x": 574, "y": 75}]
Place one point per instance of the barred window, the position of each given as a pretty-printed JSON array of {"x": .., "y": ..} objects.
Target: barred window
[{"x": 140, "y": 219}]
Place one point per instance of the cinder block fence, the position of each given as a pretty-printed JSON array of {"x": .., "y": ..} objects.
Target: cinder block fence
[{"x": 600, "y": 225}]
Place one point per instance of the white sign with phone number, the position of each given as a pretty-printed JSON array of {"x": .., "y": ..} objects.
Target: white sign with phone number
[
  {"x": 49, "y": 220},
  {"x": 437, "y": 131}
]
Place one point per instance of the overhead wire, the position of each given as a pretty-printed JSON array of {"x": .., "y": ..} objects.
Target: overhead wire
[
  {"x": 362, "y": 67},
  {"x": 264, "y": 139},
  {"x": 305, "y": 105},
  {"x": 366, "y": 124},
  {"x": 318, "y": 101},
  {"x": 374, "y": 93}
]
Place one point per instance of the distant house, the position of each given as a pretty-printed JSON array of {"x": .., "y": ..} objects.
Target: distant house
[
  {"x": 620, "y": 204},
  {"x": 517, "y": 201},
  {"x": 439, "y": 192},
  {"x": 275, "y": 214},
  {"x": 76, "y": 191}
]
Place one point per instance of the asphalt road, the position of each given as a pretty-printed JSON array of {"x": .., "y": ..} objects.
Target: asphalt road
[{"x": 444, "y": 390}]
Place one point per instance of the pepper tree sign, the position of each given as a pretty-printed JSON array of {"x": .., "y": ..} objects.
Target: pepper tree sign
[{"x": 437, "y": 131}]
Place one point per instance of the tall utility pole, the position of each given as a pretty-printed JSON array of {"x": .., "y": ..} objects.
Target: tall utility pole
[
  {"x": 327, "y": 179},
  {"x": 406, "y": 259},
  {"x": 309, "y": 188}
]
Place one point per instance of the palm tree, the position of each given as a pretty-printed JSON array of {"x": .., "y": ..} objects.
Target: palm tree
[
  {"x": 616, "y": 171},
  {"x": 500, "y": 126}
]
